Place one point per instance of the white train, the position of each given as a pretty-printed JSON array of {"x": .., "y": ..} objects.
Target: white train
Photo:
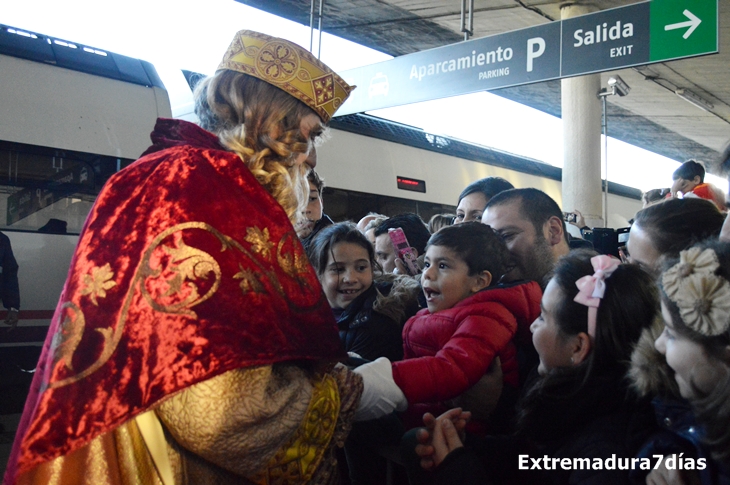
[
  {"x": 368, "y": 155},
  {"x": 73, "y": 115}
]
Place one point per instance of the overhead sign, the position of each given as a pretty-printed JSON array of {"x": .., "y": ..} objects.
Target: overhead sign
[
  {"x": 638, "y": 34},
  {"x": 606, "y": 40}
]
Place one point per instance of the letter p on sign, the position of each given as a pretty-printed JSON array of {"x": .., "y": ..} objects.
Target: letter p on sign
[{"x": 532, "y": 52}]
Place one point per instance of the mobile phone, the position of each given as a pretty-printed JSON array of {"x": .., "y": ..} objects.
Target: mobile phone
[
  {"x": 403, "y": 250},
  {"x": 570, "y": 216}
]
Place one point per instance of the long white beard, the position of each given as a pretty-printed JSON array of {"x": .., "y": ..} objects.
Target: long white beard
[{"x": 300, "y": 187}]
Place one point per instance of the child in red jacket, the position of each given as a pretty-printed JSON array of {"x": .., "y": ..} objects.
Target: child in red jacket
[
  {"x": 471, "y": 319},
  {"x": 689, "y": 181}
]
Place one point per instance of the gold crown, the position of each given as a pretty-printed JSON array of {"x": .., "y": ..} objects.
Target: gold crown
[{"x": 288, "y": 67}]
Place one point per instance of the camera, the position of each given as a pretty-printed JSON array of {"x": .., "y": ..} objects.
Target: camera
[
  {"x": 570, "y": 216},
  {"x": 607, "y": 240},
  {"x": 618, "y": 85}
]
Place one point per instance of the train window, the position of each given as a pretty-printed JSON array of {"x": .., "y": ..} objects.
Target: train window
[
  {"x": 343, "y": 205},
  {"x": 38, "y": 184}
]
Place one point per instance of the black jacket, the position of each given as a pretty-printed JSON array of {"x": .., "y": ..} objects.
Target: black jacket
[
  {"x": 601, "y": 421},
  {"x": 370, "y": 333},
  {"x": 680, "y": 434}
]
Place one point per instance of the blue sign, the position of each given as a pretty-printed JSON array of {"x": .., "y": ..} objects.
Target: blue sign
[{"x": 601, "y": 41}]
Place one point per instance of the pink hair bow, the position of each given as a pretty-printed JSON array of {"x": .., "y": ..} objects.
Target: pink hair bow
[{"x": 591, "y": 288}]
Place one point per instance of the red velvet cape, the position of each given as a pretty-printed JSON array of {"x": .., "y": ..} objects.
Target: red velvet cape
[{"x": 186, "y": 268}]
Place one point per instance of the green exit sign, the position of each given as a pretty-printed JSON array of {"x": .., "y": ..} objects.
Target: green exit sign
[{"x": 682, "y": 28}]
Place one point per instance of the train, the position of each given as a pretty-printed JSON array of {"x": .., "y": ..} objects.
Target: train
[{"x": 73, "y": 115}]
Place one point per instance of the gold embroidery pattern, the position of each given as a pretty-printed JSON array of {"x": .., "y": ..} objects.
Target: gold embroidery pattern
[
  {"x": 69, "y": 334},
  {"x": 292, "y": 263},
  {"x": 298, "y": 460},
  {"x": 324, "y": 89},
  {"x": 304, "y": 76},
  {"x": 249, "y": 281},
  {"x": 179, "y": 264},
  {"x": 260, "y": 241},
  {"x": 186, "y": 265},
  {"x": 98, "y": 282},
  {"x": 183, "y": 270},
  {"x": 277, "y": 62}
]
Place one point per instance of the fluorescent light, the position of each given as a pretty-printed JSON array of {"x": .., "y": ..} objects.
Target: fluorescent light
[{"x": 695, "y": 99}]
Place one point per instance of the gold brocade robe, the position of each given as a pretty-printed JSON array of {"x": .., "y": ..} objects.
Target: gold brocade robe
[{"x": 273, "y": 416}]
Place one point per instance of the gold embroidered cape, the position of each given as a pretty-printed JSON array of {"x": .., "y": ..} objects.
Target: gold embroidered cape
[{"x": 186, "y": 268}]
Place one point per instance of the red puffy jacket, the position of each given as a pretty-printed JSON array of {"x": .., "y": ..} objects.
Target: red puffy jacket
[{"x": 447, "y": 352}]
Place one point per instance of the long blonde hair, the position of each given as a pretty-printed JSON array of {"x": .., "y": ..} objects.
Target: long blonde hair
[{"x": 261, "y": 124}]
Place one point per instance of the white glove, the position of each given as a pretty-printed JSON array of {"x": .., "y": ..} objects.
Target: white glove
[{"x": 380, "y": 396}]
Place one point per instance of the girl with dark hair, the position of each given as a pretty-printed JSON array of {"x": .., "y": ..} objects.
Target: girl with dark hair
[
  {"x": 370, "y": 311},
  {"x": 580, "y": 407},
  {"x": 695, "y": 301},
  {"x": 668, "y": 227},
  {"x": 314, "y": 217}
]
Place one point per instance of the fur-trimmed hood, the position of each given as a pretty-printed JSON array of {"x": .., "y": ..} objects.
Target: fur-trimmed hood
[
  {"x": 371, "y": 325},
  {"x": 650, "y": 375},
  {"x": 397, "y": 296}
]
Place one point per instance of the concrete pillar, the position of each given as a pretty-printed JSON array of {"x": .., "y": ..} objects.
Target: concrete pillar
[{"x": 581, "y": 111}]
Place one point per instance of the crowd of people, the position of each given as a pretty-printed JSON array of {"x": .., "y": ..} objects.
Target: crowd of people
[{"x": 217, "y": 327}]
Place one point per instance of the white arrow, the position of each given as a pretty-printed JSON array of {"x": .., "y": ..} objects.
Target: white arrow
[{"x": 692, "y": 23}]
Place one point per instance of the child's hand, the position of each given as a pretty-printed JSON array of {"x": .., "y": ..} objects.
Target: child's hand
[
  {"x": 445, "y": 440},
  {"x": 665, "y": 476},
  {"x": 435, "y": 441}
]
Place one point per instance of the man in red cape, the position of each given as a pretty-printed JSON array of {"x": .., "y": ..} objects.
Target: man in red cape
[{"x": 192, "y": 342}]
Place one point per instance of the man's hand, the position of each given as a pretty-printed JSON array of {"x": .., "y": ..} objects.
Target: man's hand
[
  {"x": 580, "y": 221},
  {"x": 12, "y": 318},
  {"x": 400, "y": 267}
]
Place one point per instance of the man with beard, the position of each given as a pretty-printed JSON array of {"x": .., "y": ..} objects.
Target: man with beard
[
  {"x": 416, "y": 233},
  {"x": 531, "y": 224}
]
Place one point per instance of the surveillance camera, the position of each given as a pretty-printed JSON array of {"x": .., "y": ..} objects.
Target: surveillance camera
[{"x": 618, "y": 85}]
